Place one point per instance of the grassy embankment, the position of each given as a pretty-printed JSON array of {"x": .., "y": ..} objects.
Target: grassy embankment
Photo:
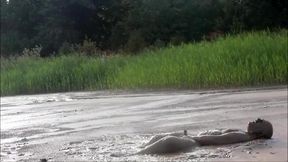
[{"x": 252, "y": 59}]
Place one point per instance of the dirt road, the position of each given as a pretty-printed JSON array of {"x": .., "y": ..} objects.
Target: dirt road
[{"x": 108, "y": 126}]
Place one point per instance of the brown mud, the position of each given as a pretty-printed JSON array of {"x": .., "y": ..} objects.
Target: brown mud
[{"x": 111, "y": 126}]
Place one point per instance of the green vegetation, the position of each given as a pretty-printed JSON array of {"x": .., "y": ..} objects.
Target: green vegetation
[
  {"x": 257, "y": 58},
  {"x": 247, "y": 59},
  {"x": 129, "y": 25},
  {"x": 65, "y": 73}
]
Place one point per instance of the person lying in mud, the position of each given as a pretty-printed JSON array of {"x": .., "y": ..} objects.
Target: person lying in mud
[{"x": 181, "y": 142}]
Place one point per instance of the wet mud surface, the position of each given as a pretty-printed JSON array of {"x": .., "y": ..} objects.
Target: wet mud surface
[{"x": 106, "y": 126}]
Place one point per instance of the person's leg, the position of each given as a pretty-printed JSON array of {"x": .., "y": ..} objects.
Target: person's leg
[{"x": 169, "y": 144}]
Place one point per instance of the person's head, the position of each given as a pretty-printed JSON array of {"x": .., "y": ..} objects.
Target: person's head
[{"x": 260, "y": 129}]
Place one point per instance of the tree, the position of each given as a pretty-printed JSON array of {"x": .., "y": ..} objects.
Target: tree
[
  {"x": 262, "y": 14},
  {"x": 120, "y": 24},
  {"x": 18, "y": 21}
]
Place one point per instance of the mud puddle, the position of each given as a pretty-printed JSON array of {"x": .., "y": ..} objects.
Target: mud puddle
[{"x": 110, "y": 127}]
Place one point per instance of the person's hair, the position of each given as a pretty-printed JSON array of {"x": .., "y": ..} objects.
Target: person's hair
[{"x": 260, "y": 129}]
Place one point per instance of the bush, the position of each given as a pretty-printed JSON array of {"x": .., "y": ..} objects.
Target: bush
[
  {"x": 135, "y": 42},
  {"x": 32, "y": 52},
  {"x": 88, "y": 48},
  {"x": 67, "y": 48}
]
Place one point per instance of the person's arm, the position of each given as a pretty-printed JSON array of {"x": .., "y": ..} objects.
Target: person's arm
[
  {"x": 217, "y": 131},
  {"x": 226, "y": 138},
  {"x": 211, "y": 132},
  {"x": 230, "y": 130}
]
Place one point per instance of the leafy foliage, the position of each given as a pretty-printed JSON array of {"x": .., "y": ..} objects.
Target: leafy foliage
[{"x": 117, "y": 24}]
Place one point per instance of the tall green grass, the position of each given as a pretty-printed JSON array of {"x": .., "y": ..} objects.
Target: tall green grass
[
  {"x": 65, "y": 73},
  {"x": 249, "y": 59}
]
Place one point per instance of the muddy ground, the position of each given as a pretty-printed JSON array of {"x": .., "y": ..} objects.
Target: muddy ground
[{"x": 109, "y": 126}]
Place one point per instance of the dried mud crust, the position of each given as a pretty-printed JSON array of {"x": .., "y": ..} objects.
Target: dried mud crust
[{"x": 12, "y": 152}]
